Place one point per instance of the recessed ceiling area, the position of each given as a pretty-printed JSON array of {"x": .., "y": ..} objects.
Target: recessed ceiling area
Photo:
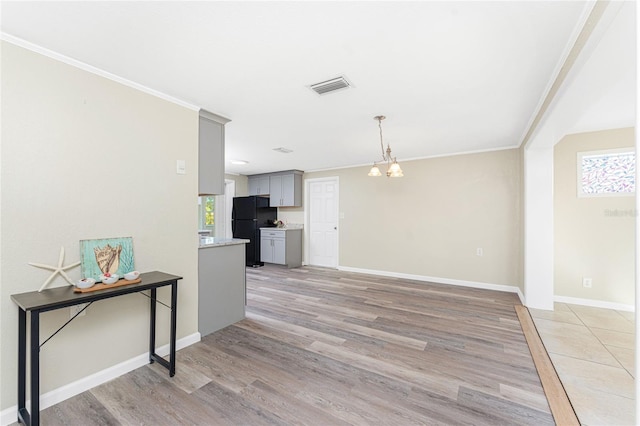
[{"x": 450, "y": 77}]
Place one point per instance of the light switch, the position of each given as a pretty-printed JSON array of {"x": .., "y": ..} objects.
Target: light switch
[{"x": 181, "y": 167}]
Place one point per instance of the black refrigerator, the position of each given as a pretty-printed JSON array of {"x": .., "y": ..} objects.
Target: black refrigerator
[{"x": 249, "y": 215}]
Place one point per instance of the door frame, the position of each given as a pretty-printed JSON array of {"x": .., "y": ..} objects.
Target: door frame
[
  {"x": 223, "y": 207},
  {"x": 307, "y": 214}
]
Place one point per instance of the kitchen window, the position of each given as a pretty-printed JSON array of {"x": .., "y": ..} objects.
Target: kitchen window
[
  {"x": 214, "y": 212},
  {"x": 207, "y": 211}
]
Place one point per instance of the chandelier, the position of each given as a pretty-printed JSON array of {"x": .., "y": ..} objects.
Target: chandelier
[{"x": 393, "y": 168}]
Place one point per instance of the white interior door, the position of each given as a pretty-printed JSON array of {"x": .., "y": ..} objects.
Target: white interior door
[{"x": 322, "y": 221}]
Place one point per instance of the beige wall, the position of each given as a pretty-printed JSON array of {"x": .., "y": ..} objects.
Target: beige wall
[
  {"x": 589, "y": 242},
  {"x": 242, "y": 184},
  {"x": 292, "y": 215},
  {"x": 84, "y": 157},
  {"x": 431, "y": 221}
]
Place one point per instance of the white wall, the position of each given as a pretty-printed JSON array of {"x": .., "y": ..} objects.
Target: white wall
[
  {"x": 84, "y": 157},
  {"x": 538, "y": 226}
]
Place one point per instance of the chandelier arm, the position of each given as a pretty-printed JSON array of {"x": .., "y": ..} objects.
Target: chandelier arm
[{"x": 384, "y": 157}]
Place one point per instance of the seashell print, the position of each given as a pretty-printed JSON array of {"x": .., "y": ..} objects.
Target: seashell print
[{"x": 108, "y": 258}]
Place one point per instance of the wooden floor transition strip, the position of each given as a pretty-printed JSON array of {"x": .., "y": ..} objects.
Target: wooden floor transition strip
[{"x": 561, "y": 407}]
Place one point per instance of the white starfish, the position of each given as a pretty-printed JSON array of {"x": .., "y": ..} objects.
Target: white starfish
[{"x": 56, "y": 269}]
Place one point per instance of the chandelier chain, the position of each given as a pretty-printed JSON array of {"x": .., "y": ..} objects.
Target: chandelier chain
[{"x": 384, "y": 157}]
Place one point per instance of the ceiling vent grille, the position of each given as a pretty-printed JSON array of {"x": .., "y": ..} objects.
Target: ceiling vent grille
[
  {"x": 283, "y": 150},
  {"x": 329, "y": 86}
]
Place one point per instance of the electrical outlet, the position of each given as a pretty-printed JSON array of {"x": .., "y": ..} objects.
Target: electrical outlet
[
  {"x": 77, "y": 308},
  {"x": 479, "y": 251},
  {"x": 587, "y": 282}
]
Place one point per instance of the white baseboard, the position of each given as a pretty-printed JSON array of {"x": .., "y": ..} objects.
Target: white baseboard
[
  {"x": 487, "y": 286},
  {"x": 461, "y": 283},
  {"x": 10, "y": 415},
  {"x": 594, "y": 303}
]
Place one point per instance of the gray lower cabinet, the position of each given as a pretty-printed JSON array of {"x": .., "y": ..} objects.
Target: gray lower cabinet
[
  {"x": 273, "y": 248},
  {"x": 221, "y": 287},
  {"x": 281, "y": 246}
]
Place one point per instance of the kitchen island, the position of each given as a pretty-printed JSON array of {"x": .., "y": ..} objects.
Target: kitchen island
[{"x": 221, "y": 283}]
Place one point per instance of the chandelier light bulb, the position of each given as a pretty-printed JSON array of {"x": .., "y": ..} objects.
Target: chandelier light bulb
[
  {"x": 395, "y": 170},
  {"x": 375, "y": 171}
]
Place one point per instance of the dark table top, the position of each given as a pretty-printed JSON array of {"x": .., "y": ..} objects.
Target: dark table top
[{"x": 60, "y": 297}]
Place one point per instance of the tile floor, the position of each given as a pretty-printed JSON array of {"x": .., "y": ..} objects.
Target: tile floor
[{"x": 592, "y": 350}]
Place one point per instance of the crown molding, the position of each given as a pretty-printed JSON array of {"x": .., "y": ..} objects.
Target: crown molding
[{"x": 94, "y": 70}]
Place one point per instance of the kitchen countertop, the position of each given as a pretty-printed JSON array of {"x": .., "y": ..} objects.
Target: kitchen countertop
[
  {"x": 207, "y": 242},
  {"x": 273, "y": 228}
]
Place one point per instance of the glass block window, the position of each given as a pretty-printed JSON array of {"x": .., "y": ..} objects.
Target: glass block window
[{"x": 606, "y": 173}]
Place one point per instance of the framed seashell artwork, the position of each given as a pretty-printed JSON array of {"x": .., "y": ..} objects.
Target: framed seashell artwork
[{"x": 106, "y": 256}]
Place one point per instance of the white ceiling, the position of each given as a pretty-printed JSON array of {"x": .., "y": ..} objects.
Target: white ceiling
[{"x": 451, "y": 77}]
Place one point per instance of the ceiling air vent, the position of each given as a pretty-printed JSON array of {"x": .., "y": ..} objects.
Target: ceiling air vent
[
  {"x": 329, "y": 86},
  {"x": 283, "y": 150}
]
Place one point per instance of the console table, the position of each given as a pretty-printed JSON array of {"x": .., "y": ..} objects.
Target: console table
[{"x": 62, "y": 297}]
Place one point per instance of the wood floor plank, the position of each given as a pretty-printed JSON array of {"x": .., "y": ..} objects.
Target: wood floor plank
[
  {"x": 448, "y": 388},
  {"x": 233, "y": 407},
  {"x": 291, "y": 410},
  {"x": 188, "y": 380},
  {"x": 561, "y": 407},
  {"x": 327, "y": 347},
  {"x": 295, "y": 329},
  {"x": 74, "y": 412},
  {"x": 508, "y": 412}
]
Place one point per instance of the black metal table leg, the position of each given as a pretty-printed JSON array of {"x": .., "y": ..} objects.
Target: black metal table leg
[
  {"x": 35, "y": 368},
  {"x": 23, "y": 414},
  {"x": 172, "y": 338},
  {"x": 152, "y": 326}
]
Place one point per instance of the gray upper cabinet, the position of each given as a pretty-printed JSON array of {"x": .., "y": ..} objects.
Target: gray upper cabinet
[
  {"x": 211, "y": 153},
  {"x": 283, "y": 188},
  {"x": 283, "y": 191},
  {"x": 259, "y": 185}
]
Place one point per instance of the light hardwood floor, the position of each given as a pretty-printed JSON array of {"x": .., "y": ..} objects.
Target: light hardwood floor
[{"x": 322, "y": 347}]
